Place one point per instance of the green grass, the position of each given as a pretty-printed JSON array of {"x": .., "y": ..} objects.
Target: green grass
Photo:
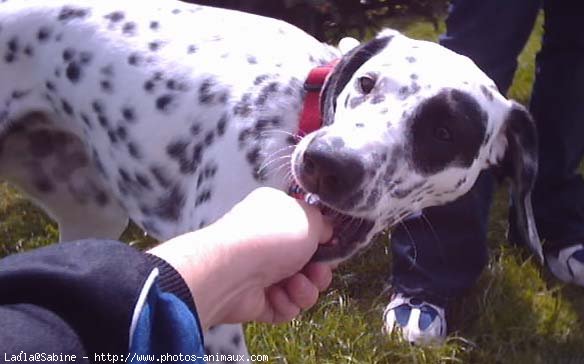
[{"x": 516, "y": 314}]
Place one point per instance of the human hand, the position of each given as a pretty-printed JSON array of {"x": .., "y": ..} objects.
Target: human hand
[{"x": 252, "y": 263}]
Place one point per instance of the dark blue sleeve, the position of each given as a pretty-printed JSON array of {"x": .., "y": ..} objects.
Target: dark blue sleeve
[
  {"x": 94, "y": 297},
  {"x": 165, "y": 325}
]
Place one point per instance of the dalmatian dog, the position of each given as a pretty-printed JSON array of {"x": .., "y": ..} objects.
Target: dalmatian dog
[{"x": 168, "y": 114}]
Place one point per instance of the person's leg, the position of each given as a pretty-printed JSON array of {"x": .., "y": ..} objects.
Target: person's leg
[
  {"x": 439, "y": 256},
  {"x": 557, "y": 105}
]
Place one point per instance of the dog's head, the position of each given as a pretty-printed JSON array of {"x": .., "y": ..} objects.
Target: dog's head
[{"x": 409, "y": 124}]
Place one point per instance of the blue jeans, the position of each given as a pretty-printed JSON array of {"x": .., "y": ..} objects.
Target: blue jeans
[{"x": 440, "y": 257}]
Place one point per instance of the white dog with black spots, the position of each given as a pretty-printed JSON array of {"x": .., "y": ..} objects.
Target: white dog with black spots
[{"x": 168, "y": 114}]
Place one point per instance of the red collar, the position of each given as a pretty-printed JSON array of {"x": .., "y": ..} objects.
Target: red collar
[{"x": 311, "y": 117}]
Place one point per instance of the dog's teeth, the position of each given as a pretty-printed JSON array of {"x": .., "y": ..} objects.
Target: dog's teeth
[
  {"x": 295, "y": 189},
  {"x": 311, "y": 199}
]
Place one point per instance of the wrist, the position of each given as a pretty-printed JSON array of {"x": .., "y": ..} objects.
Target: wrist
[{"x": 210, "y": 263}]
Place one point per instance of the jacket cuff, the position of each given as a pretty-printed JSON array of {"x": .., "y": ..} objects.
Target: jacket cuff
[{"x": 170, "y": 280}]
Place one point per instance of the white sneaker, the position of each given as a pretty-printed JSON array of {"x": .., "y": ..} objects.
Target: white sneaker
[
  {"x": 568, "y": 264},
  {"x": 419, "y": 322}
]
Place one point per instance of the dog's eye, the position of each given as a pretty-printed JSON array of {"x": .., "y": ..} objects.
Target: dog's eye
[
  {"x": 366, "y": 84},
  {"x": 443, "y": 134}
]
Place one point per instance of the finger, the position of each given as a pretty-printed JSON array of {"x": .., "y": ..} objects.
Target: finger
[
  {"x": 324, "y": 228},
  {"x": 301, "y": 291},
  {"x": 320, "y": 274},
  {"x": 284, "y": 309},
  {"x": 327, "y": 231}
]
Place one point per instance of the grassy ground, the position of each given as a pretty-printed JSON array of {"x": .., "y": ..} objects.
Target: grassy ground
[{"x": 516, "y": 314}]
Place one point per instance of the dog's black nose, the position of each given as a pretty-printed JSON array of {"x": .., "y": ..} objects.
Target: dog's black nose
[{"x": 334, "y": 173}]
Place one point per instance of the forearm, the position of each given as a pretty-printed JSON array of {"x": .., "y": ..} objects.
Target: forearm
[{"x": 212, "y": 271}]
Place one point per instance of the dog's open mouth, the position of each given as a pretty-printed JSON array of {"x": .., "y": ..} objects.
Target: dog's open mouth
[{"x": 349, "y": 232}]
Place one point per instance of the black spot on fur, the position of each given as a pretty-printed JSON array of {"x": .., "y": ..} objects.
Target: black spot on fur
[
  {"x": 209, "y": 138},
  {"x": 85, "y": 57},
  {"x": 149, "y": 85},
  {"x": 9, "y": 57},
  {"x": 124, "y": 175},
  {"x": 195, "y": 129},
  {"x": 259, "y": 79},
  {"x": 379, "y": 98},
  {"x": 134, "y": 151},
  {"x": 50, "y": 86},
  {"x": 447, "y": 129},
  {"x": 43, "y": 34},
  {"x": 253, "y": 156},
  {"x": 177, "y": 149},
  {"x": 169, "y": 206},
  {"x": 122, "y": 133},
  {"x": 191, "y": 49},
  {"x": 160, "y": 176},
  {"x": 205, "y": 94},
  {"x": 29, "y": 51},
  {"x": 13, "y": 45},
  {"x": 176, "y": 11},
  {"x": 236, "y": 340},
  {"x": 171, "y": 85},
  {"x": 134, "y": 59},
  {"x": 68, "y": 54},
  {"x": 488, "y": 94},
  {"x": 112, "y": 136},
  {"x": 221, "y": 125},
  {"x": 164, "y": 102},
  {"x": 18, "y": 94},
  {"x": 128, "y": 114},
  {"x": 97, "y": 106},
  {"x": 357, "y": 100},
  {"x": 86, "y": 119},
  {"x": 243, "y": 107},
  {"x": 116, "y": 16},
  {"x": 143, "y": 181},
  {"x": 107, "y": 70},
  {"x": 265, "y": 93},
  {"x": 411, "y": 59},
  {"x": 203, "y": 197},
  {"x": 154, "y": 46},
  {"x": 197, "y": 153},
  {"x": 67, "y": 107},
  {"x": 103, "y": 121},
  {"x": 252, "y": 60},
  {"x": 129, "y": 28},
  {"x": 106, "y": 86},
  {"x": 73, "y": 72},
  {"x": 69, "y": 12},
  {"x": 154, "y": 25}
]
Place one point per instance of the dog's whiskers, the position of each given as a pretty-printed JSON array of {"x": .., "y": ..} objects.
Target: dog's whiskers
[
  {"x": 278, "y": 131},
  {"x": 265, "y": 165}
]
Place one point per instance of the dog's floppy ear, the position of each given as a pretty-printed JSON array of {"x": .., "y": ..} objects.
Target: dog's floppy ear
[
  {"x": 519, "y": 163},
  {"x": 343, "y": 72}
]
